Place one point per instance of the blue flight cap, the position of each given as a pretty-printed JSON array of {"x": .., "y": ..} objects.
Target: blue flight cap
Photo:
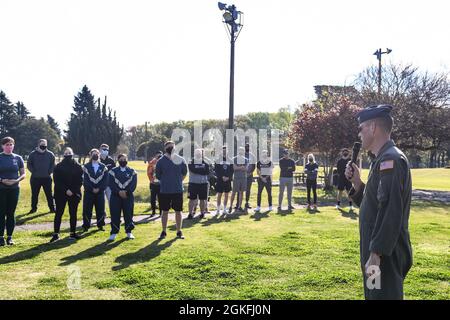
[{"x": 372, "y": 112}]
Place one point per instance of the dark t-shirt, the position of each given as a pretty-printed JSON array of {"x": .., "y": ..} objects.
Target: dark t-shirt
[
  {"x": 10, "y": 164},
  {"x": 287, "y": 168},
  {"x": 341, "y": 165}
]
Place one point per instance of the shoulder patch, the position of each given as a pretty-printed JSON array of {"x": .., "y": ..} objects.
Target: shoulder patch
[{"x": 386, "y": 165}]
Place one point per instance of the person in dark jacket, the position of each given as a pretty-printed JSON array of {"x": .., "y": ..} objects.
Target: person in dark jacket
[
  {"x": 95, "y": 181},
  {"x": 12, "y": 172},
  {"x": 384, "y": 202},
  {"x": 123, "y": 182},
  {"x": 311, "y": 170},
  {"x": 342, "y": 182},
  {"x": 264, "y": 168},
  {"x": 108, "y": 162},
  {"x": 68, "y": 177},
  {"x": 224, "y": 174},
  {"x": 198, "y": 183},
  {"x": 41, "y": 163}
]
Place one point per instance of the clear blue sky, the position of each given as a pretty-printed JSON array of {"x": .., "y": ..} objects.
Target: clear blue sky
[{"x": 169, "y": 60}]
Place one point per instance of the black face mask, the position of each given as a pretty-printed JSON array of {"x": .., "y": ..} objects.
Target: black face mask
[
  {"x": 310, "y": 160},
  {"x": 123, "y": 164},
  {"x": 42, "y": 147},
  {"x": 95, "y": 157},
  {"x": 345, "y": 155},
  {"x": 169, "y": 150},
  {"x": 68, "y": 157}
]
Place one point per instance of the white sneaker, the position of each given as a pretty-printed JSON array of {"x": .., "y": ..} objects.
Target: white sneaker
[
  {"x": 338, "y": 206},
  {"x": 217, "y": 212},
  {"x": 258, "y": 209},
  {"x": 270, "y": 208},
  {"x": 112, "y": 237},
  {"x": 225, "y": 211},
  {"x": 351, "y": 208},
  {"x": 130, "y": 236}
]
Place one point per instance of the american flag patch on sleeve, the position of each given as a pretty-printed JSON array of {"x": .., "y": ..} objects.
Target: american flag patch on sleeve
[{"x": 386, "y": 165}]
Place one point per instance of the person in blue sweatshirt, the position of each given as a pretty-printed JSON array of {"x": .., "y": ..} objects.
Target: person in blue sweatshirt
[
  {"x": 95, "y": 181},
  {"x": 171, "y": 170},
  {"x": 122, "y": 181}
]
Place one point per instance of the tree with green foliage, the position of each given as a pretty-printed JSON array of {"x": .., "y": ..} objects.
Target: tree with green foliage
[
  {"x": 29, "y": 131},
  {"x": 92, "y": 124}
]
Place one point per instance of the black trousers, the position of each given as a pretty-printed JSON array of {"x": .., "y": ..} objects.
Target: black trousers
[
  {"x": 90, "y": 201},
  {"x": 8, "y": 204},
  {"x": 154, "y": 194},
  {"x": 311, "y": 185},
  {"x": 268, "y": 186},
  {"x": 249, "y": 187},
  {"x": 61, "y": 199},
  {"x": 36, "y": 184}
]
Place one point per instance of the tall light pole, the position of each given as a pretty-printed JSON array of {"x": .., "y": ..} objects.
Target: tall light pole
[
  {"x": 378, "y": 53},
  {"x": 233, "y": 21}
]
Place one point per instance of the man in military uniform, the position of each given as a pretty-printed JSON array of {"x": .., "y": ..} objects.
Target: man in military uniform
[{"x": 384, "y": 201}]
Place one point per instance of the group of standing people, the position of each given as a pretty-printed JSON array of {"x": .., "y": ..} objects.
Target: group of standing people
[{"x": 100, "y": 178}]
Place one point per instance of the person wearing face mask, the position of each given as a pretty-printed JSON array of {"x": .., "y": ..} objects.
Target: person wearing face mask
[
  {"x": 250, "y": 169},
  {"x": 343, "y": 183},
  {"x": 123, "y": 182},
  {"x": 41, "y": 163},
  {"x": 95, "y": 180},
  {"x": 198, "y": 183},
  {"x": 154, "y": 183},
  {"x": 108, "y": 162},
  {"x": 224, "y": 173},
  {"x": 264, "y": 168},
  {"x": 68, "y": 177},
  {"x": 12, "y": 172},
  {"x": 240, "y": 167},
  {"x": 311, "y": 170},
  {"x": 171, "y": 170},
  {"x": 287, "y": 169}
]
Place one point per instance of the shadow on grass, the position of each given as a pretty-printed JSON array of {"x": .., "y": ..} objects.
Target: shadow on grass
[
  {"x": 349, "y": 214},
  {"x": 285, "y": 212},
  {"x": 223, "y": 218},
  {"x": 312, "y": 211},
  {"x": 257, "y": 216},
  {"x": 24, "y": 218},
  {"x": 37, "y": 250},
  {"x": 91, "y": 252},
  {"x": 145, "y": 254}
]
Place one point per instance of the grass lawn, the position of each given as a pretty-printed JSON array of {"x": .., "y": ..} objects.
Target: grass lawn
[{"x": 265, "y": 256}]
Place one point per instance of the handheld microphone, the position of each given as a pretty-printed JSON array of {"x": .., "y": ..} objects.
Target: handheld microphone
[{"x": 355, "y": 153}]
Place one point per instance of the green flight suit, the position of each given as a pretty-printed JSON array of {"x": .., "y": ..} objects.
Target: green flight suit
[{"x": 383, "y": 221}]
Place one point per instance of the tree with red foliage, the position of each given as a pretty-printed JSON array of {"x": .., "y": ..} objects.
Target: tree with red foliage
[{"x": 325, "y": 127}]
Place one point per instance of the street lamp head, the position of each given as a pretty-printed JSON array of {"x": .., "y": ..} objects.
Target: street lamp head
[
  {"x": 228, "y": 17},
  {"x": 388, "y": 50},
  {"x": 222, "y": 6}
]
